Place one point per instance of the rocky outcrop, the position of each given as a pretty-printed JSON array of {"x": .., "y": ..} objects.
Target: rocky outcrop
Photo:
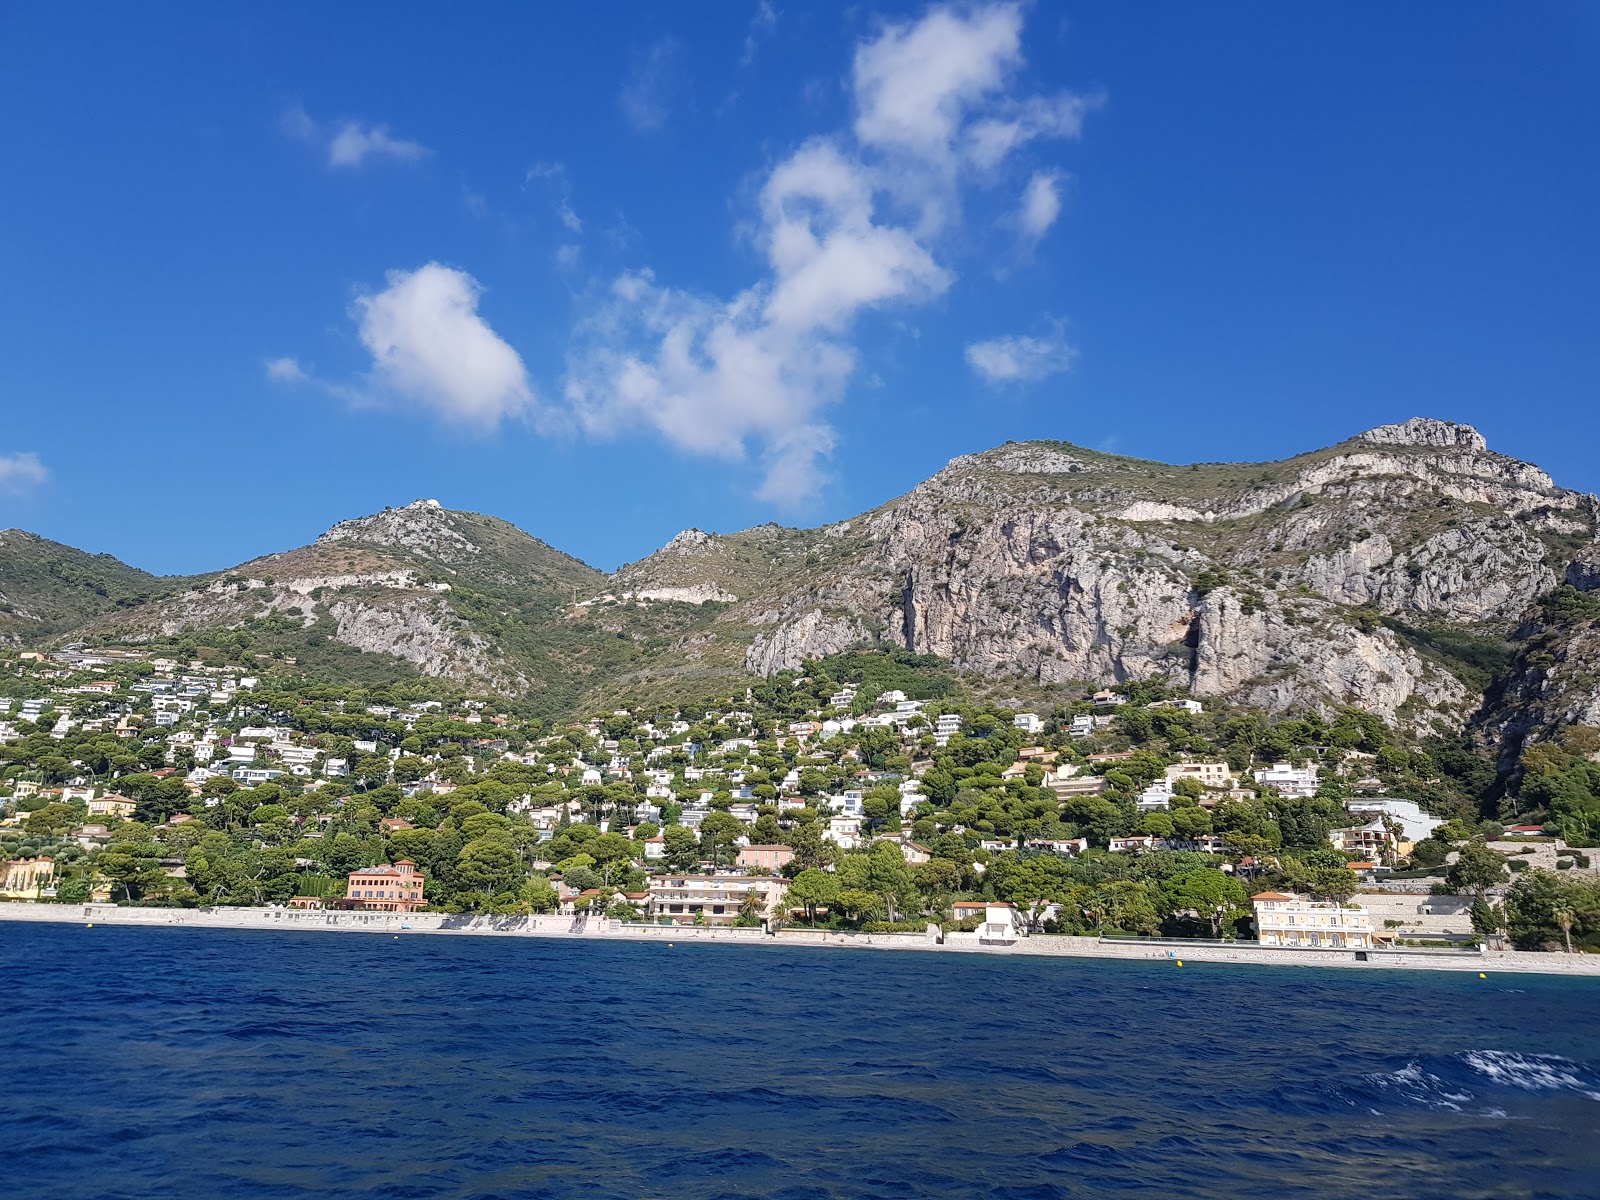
[
  {"x": 1553, "y": 682},
  {"x": 423, "y": 631},
  {"x": 1061, "y": 564},
  {"x": 812, "y": 635},
  {"x": 1425, "y": 431},
  {"x": 422, "y": 528},
  {"x": 695, "y": 594},
  {"x": 1482, "y": 570}
]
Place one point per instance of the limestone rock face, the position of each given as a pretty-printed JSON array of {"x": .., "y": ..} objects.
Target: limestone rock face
[
  {"x": 426, "y": 633},
  {"x": 1425, "y": 431},
  {"x": 419, "y": 528},
  {"x": 811, "y": 635},
  {"x": 1267, "y": 584},
  {"x": 1554, "y": 681}
]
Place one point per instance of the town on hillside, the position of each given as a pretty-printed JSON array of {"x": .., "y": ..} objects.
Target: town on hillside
[{"x": 865, "y": 792}]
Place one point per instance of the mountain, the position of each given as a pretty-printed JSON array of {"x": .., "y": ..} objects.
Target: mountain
[
  {"x": 47, "y": 588},
  {"x": 1382, "y": 572},
  {"x": 1398, "y": 571}
]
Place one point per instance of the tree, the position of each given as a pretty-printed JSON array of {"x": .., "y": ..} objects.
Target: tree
[
  {"x": 858, "y": 903},
  {"x": 882, "y": 871},
  {"x": 1487, "y": 920},
  {"x": 935, "y": 879},
  {"x": 1127, "y": 905},
  {"x": 539, "y": 894},
  {"x": 1534, "y": 902},
  {"x": 54, "y": 818},
  {"x": 1565, "y": 917},
  {"x": 1476, "y": 869},
  {"x": 1033, "y": 883},
  {"x": 752, "y": 906},
  {"x": 1213, "y": 895},
  {"x": 813, "y": 889},
  {"x": 370, "y": 770},
  {"x": 681, "y": 846},
  {"x": 718, "y": 837}
]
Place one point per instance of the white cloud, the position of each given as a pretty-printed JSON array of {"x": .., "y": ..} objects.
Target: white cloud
[
  {"x": 350, "y": 143},
  {"x": 762, "y": 24},
  {"x": 714, "y": 376},
  {"x": 646, "y": 95},
  {"x": 829, "y": 257},
  {"x": 286, "y": 370},
  {"x": 554, "y": 177},
  {"x": 987, "y": 142},
  {"x": 21, "y": 472},
  {"x": 1041, "y": 204},
  {"x": 429, "y": 346},
  {"x": 916, "y": 81},
  {"x": 1020, "y": 359},
  {"x": 752, "y": 376}
]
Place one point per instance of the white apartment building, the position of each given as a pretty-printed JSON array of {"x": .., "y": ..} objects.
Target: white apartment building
[
  {"x": 1028, "y": 722},
  {"x": 716, "y": 899},
  {"x": 1294, "y": 782},
  {"x": 1157, "y": 797},
  {"x": 1285, "y": 920}
]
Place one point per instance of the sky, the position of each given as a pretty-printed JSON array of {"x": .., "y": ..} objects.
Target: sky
[{"x": 613, "y": 271}]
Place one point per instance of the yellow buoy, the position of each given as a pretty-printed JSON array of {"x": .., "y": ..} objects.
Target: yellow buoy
[
  {"x": 90, "y": 925},
  {"x": 1481, "y": 975},
  {"x": 1180, "y": 962}
]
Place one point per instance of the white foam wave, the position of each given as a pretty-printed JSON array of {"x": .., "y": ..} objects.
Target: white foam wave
[
  {"x": 1533, "y": 1072},
  {"x": 1419, "y": 1086}
]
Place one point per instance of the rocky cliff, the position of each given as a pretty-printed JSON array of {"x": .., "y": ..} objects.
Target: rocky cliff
[
  {"x": 1350, "y": 575},
  {"x": 1268, "y": 583}
]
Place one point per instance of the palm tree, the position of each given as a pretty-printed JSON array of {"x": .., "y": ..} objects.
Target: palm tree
[
  {"x": 753, "y": 905},
  {"x": 1564, "y": 917}
]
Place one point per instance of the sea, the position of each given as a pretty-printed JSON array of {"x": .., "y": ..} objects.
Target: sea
[{"x": 173, "y": 1062}]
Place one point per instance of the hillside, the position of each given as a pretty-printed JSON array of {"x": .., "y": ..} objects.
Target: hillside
[
  {"x": 1396, "y": 571},
  {"x": 47, "y": 588},
  {"x": 1383, "y": 572}
]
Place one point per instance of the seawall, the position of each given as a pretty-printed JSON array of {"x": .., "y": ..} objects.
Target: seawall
[{"x": 601, "y": 928}]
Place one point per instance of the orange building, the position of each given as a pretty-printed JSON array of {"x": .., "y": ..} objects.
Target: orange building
[{"x": 386, "y": 888}]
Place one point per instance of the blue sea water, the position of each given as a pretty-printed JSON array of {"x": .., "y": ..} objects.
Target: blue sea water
[{"x": 163, "y": 1062}]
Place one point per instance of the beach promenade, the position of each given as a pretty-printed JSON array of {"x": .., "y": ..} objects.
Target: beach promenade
[{"x": 601, "y": 928}]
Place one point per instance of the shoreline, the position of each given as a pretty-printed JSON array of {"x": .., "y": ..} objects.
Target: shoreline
[{"x": 604, "y": 929}]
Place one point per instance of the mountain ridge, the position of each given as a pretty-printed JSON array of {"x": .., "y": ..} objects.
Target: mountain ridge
[{"x": 1329, "y": 578}]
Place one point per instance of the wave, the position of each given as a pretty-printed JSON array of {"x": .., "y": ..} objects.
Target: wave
[
  {"x": 1534, "y": 1072},
  {"x": 1472, "y": 1080}
]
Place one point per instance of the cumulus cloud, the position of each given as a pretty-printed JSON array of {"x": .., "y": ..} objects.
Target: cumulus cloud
[
  {"x": 430, "y": 347},
  {"x": 286, "y": 370},
  {"x": 350, "y": 143},
  {"x": 1041, "y": 204},
  {"x": 653, "y": 77},
  {"x": 848, "y": 224},
  {"x": 1020, "y": 359},
  {"x": 21, "y": 472},
  {"x": 916, "y": 82}
]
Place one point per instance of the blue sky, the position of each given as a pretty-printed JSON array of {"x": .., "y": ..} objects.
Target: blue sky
[{"x": 609, "y": 271}]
